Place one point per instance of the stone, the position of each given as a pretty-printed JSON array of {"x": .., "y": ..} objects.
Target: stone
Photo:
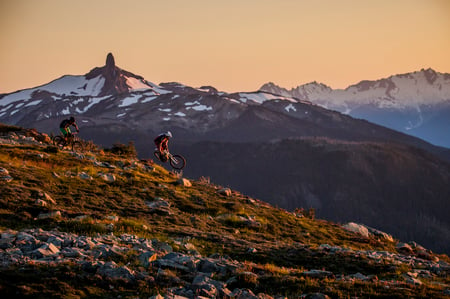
[
  {"x": 357, "y": 228},
  {"x": 146, "y": 258},
  {"x": 107, "y": 177},
  {"x": 225, "y": 192},
  {"x": 184, "y": 182},
  {"x": 318, "y": 274},
  {"x": 84, "y": 176},
  {"x": 53, "y": 214}
]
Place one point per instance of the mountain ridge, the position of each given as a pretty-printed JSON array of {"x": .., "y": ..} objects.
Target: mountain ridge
[{"x": 416, "y": 103}]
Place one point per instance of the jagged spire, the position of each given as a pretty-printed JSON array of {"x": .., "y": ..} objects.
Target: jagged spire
[{"x": 110, "y": 63}]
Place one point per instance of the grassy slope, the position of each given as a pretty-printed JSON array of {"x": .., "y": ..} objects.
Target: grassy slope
[{"x": 210, "y": 220}]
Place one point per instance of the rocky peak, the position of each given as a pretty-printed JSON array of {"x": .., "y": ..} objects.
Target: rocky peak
[
  {"x": 110, "y": 63},
  {"x": 115, "y": 78}
]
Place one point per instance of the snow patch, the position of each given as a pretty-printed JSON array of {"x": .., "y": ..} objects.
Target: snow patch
[
  {"x": 192, "y": 103},
  {"x": 91, "y": 101},
  {"x": 261, "y": 97},
  {"x": 200, "y": 108},
  {"x": 136, "y": 84},
  {"x": 132, "y": 99},
  {"x": 165, "y": 110},
  {"x": 180, "y": 114},
  {"x": 65, "y": 111},
  {"x": 290, "y": 107},
  {"x": 148, "y": 99}
]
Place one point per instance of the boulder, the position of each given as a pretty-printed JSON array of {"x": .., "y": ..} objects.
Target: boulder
[{"x": 357, "y": 228}]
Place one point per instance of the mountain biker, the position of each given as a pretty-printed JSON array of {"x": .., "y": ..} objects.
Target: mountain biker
[
  {"x": 162, "y": 145},
  {"x": 64, "y": 126}
]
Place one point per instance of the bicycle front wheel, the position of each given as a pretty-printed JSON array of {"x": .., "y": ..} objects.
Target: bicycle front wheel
[
  {"x": 177, "y": 162},
  {"x": 77, "y": 146}
]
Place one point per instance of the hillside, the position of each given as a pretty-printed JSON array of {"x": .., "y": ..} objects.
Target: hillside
[
  {"x": 399, "y": 189},
  {"x": 100, "y": 225}
]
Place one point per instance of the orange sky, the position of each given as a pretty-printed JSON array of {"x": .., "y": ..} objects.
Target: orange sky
[{"x": 234, "y": 45}]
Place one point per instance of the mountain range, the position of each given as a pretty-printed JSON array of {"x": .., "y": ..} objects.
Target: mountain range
[
  {"x": 416, "y": 103},
  {"x": 285, "y": 149}
]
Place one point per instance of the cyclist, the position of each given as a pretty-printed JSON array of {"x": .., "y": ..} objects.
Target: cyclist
[
  {"x": 162, "y": 144},
  {"x": 64, "y": 127}
]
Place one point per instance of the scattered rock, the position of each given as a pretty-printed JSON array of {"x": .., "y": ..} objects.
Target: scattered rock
[{"x": 225, "y": 191}]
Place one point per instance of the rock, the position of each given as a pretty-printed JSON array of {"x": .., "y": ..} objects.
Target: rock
[
  {"x": 113, "y": 218},
  {"x": 414, "y": 281},
  {"x": 243, "y": 294},
  {"x": 404, "y": 248},
  {"x": 4, "y": 175},
  {"x": 159, "y": 206},
  {"x": 53, "y": 214},
  {"x": 84, "y": 176},
  {"x": 146, "y": 258},
  {"x": 108, "y": 177},
  {"x": 45, "y": 250},
  {"x": 357, "y": 228},
  {"x": 3, "y": 171},
  {"x": 225, "y": 191},
  {"x": 111, "y": 270},
  {"x": 318, "y": 274},
  {"x": 359, "y": 276},
  {"x": 184, "y": 182},
  {"x": 380, "y": 234},
  {"x": 315, "y": 296}
]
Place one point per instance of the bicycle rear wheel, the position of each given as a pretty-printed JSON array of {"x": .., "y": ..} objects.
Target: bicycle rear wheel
[
  {"x": 177, "y": 162},
  {"x": 77, "y": 146}
]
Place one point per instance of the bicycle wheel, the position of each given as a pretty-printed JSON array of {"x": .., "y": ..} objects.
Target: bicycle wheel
[
  {"x": 177, "y": 162},
  {"x": 77, "y": 146}
]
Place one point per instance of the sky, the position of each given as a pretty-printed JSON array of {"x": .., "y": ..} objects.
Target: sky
[{"x": 233, "y": 45}]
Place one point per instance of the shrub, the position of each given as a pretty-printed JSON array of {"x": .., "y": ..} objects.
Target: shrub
[{"x": 123, "y": 150}]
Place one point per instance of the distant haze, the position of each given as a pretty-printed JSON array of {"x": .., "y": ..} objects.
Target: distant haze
[{"x": 232, "y": 45}]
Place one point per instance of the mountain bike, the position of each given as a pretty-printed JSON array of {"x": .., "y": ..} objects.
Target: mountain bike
[
  {"x": 176, "y": 161},
  {"x": 71, "y": 141}
]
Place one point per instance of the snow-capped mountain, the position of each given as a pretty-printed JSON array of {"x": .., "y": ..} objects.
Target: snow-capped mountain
[{"x": 415, "y": 103}]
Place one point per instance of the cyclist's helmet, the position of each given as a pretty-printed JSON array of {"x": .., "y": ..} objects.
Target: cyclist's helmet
[
  {"x": 72, "y": 119},
  {"x": 168, "y": 134}
]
